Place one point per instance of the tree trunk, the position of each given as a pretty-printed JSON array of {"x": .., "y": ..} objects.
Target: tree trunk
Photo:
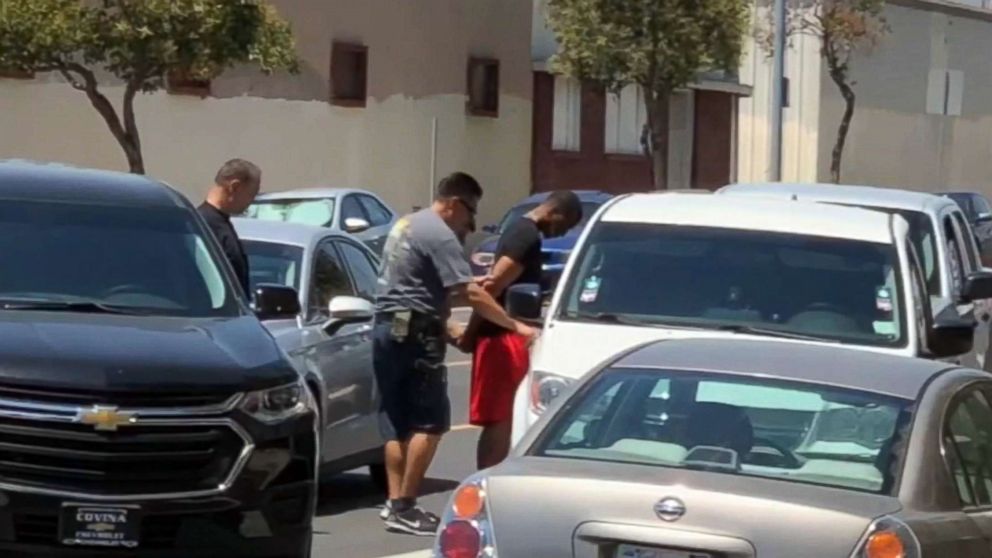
[
  {"x": 839, "y": 77},
  {"x": 83, "y": 79},
  {"x": 658, "y": 114}
]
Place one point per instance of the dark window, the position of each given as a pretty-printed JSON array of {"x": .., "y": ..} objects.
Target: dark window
[
  {"x": 483, "y": 87},
  {"x": 329, "y": 280},
  {"x": 968, "y": 440},
  {"x": 157, "y": 260},
  {"x": 982, "y": 206},
  {"x": 351, "y": 209},
  {"x": 968, "y": 244},
  {"x": 349, "y": 74},
  {"x": 362, "y": 269},
  {"x": 954, "y": 252},
  {"x": 378, "y": 214},
  {"x": 181, "y": 83}
]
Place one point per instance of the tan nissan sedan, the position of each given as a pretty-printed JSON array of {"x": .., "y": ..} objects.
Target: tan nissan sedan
[{"x": 716, "y": 448}]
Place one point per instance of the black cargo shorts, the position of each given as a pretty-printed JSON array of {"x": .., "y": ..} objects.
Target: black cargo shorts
[{"x": 412, "y": 377}]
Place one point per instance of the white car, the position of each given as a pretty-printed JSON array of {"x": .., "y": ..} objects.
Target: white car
[
  {"x": 669, "y": 265},
  {"x": 939, "y": 229}
]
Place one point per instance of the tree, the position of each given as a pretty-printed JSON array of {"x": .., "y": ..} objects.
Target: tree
[
  {"x": 660, "y": 45},
  {"x": 139, "y": 43},
  {"x": 842, "y": 27}
]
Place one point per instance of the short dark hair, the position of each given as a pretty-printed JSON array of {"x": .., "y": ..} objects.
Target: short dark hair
[
  {"x": 240, "y": 170},
  {"x": 565, "y": 203},
  {"x": 459, "y": 185}
]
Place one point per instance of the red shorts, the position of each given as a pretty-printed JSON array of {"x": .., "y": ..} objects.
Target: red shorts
[{"x": 499, "y": 364}]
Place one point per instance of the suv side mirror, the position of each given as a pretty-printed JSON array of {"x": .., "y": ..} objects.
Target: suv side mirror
[
  {"x": 977, "y": 286},
  {"x": 276, "y": 302},
  {"x": 523, "y": 302},
  {"x": 951, "y": 334},
  {"x": 355, "y": 225},
  {"x": 345, "y": 310}
]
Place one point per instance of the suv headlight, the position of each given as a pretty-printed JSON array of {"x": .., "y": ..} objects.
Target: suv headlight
[
  {"x": 545, "y": 387},
  {"x": 277, "y": 404}
]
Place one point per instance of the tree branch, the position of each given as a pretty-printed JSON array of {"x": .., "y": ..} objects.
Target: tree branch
[{"x": 130, "y": 124}]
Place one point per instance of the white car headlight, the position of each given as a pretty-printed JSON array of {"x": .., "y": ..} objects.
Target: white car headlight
[
  {"x": 545, "y": 387},
  {"x": 277, "y": 404}
]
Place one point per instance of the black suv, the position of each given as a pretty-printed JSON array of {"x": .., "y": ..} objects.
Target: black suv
[{"x": 144, "y": 410}]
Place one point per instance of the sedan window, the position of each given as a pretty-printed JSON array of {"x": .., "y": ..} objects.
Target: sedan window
[
  {"x": 968, "y": 439},
  {"x": 376, "y": 211},
  {"x": 784, "y": 430},
  {"x": 273, "y": 263},
  {"x": 329, "y": 280},
  {"x": 362, "y": 270},
  {"x": 318, "y": 212}
]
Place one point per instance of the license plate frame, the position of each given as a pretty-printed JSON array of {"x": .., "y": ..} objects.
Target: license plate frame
[
  {"x": 100, "y": 525},
  {"x": 638, "y": 551}
]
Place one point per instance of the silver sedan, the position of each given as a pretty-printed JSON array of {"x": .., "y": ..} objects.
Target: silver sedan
[
  {"x": 330, "y": 341},
  {"x": 718, "y": 448}
]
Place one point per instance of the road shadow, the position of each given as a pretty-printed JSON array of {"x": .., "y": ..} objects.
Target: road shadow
[{"x": 352, "y": 491}]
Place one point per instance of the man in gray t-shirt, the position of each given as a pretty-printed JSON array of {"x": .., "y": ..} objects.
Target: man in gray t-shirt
[{"x": 424, "y": 273}]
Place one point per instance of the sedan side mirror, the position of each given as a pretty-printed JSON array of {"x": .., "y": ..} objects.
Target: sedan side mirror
[
  {"x": 983, "y": 218},
  {"x": 276, "y": 302},
  {"x": 523, "y": 302},
  {"x": 952, "y": 335},
  {"x": 347, "y": 310},
  {"x": 491, "y": 229},
  {"x": 978, "y": 286},
  {"x": 356, "y": 225}
]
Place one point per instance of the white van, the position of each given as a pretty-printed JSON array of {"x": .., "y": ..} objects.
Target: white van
[{"x": 669, "y": 265}]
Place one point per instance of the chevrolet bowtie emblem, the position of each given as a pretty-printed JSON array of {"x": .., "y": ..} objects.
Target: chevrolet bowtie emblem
[{"x": 106, "y": 418}]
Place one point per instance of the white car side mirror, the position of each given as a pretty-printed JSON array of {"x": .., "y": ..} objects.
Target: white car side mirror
[
  {"x": 356, "y": 225},
  {"x": 347, "y": 310}
]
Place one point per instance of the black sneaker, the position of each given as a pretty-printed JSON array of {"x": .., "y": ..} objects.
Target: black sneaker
[{"x": 414, "y": 521}]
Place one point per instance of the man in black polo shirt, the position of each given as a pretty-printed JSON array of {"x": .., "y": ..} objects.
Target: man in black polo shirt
[{"x": 235, "y": 187}]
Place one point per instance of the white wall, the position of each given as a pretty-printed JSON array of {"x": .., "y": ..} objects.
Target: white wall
[{"x": 385, "y": 147}]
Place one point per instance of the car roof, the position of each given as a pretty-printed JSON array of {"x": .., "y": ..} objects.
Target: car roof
[
  {"x": 39, "y": 181},
  {"x": 584, "y": 196},
  {"x": 869, "y": 196},
  {"x": 842, "y": 367},
  {"x": 309, "y": 193},
  {"x": 280, "y": 232},
  {"x": 752, "y": 213}
]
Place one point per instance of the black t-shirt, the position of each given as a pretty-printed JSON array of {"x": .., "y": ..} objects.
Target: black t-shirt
[
  {"x": 220, "y": 223},
  {"x": 521, "y": 242}
]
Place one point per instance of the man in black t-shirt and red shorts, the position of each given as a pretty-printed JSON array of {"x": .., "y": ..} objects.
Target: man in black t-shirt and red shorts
[{"x": 501, "y": 357}]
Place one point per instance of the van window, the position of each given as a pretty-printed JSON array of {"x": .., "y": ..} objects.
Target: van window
[{"x": 836, "y": 289}]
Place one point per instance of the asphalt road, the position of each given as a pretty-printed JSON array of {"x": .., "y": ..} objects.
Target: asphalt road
[{"x": 348, "y": 521}]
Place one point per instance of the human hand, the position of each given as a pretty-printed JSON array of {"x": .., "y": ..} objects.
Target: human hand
[{"x": 528, "y": 332}]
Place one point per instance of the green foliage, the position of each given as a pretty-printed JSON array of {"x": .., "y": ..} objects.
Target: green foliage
[
  {"x": 143, "y": 40},
  {"x": 661, "y": 45}
]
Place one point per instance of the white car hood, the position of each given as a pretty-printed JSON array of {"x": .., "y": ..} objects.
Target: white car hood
[{"x": 572, "y": 349}]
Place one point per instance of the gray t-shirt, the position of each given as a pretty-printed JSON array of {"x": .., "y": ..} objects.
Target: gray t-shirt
[{"x": 422, "y": 259}]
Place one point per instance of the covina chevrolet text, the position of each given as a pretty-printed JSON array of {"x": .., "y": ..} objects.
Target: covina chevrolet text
[{"x": 144, "y": 410}]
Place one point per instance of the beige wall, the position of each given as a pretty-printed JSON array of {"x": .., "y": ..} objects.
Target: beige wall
[
  {"x": 893, "y": 140},
  {"x": 417, "y": 72}
]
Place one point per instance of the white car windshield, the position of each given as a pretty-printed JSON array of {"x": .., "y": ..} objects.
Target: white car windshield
[
  {"x": 757, "y": 282},
  {"x": 785, "y": 430},
  {"x": 316, "y": 212},
  {"x": 143, "y": 260}
]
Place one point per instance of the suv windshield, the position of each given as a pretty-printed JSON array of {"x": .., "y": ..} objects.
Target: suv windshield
[
  {"x": 316, "y": 212},
  {"x": 833, "y": 289},
  {"x": 147, "y": 260},
  {"x": 588, "y": 209},
  {"x": 791, "y": 431},
  {"x": 273, "y": 263}
]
